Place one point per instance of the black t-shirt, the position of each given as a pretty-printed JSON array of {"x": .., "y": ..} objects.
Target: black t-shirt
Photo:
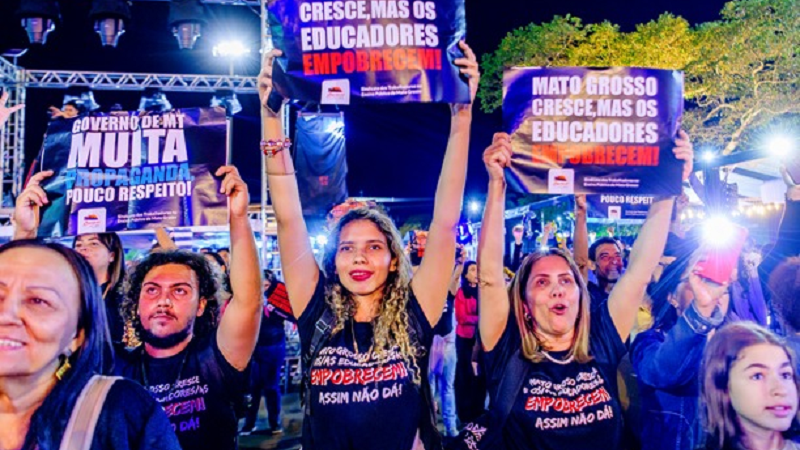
[
  {"x": 445, "y": 324},
  {"x": 132, "y": 420},
  {"x": 197, "y": 388},
  {"x": 358, "y": 400},
  {"x": 564, "y": 407}
]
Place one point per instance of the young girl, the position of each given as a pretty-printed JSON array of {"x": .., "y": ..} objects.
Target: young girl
[{"x": 749, "y": 390}]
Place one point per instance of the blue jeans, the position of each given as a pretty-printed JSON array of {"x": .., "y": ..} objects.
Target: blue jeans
[{"x": 442, "y": 375}]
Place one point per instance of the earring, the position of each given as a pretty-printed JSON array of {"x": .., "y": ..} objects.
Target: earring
[{"x": 63, "y": 368}]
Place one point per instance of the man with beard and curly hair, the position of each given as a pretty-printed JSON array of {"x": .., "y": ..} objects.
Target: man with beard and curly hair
[{"x": 192, "y": 360}]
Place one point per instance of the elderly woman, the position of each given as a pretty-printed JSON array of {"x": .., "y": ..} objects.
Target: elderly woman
[
  {"x": 563, "y": 392},
  {"x": 53, "y": 340}
]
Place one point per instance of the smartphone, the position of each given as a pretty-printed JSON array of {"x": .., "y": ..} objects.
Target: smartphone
[{"x": 717, "y": 263}]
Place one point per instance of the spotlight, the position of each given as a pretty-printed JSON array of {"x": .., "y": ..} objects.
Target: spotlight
[
  {"x": 708, "y": 156},
  {"x": 186, "y": 19},
  {"x": 38, "y": 18},
  {"x": 230, "y": 49},
  {"x": 227, "y": 99},
  {"x": 718, "y": 231},
  {"x": 474, "y": 206},
  {"x": 153, "y": 100},
  {"x": 109, "y": 17},
  {"x": 781, "y": 146},
  {"x": 83, "y": 97},
  {"x": 322, "y": 240}
]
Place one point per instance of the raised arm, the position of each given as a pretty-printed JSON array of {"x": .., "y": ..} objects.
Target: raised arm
[
  {"x": 455, "y": 279},
  {"x": 238, "y": 329},
  {"x": 581, "y": 241},
  {"x": 628, "y": 293},
  {"x": 300, "y": 269},
  {"x": 494, "y": 305},
  {"x": 26, "y": 210},
  {"x": 428, "y": 284}
]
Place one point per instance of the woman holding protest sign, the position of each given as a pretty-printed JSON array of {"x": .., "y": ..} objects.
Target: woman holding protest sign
[
  {"x": 551, "y": 363},
  {"x": 365, "y": 324}
]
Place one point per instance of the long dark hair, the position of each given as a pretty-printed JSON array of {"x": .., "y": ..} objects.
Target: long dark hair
[
  {"x": 116, "y": 270},
  {"x": 723, "y": 349},
  {"x": 209, "y": 280},
  {"x": 469, "y": 291},
  {"x": 95, "y": 355}
]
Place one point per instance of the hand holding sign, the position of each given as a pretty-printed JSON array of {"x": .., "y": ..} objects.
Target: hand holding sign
[
  {"x": 26, "y": 211},
  {"x": 469, "y": 68},
  {"x": 265, "y": 79},
  {"x": 684, "y": 151},
  {"x": 5, "y": 112},
  {"x": 235, "y": 188},
  {"x": 498, "y": 156}
]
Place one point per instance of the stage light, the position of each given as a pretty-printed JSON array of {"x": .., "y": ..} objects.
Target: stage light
[
  {"x": 322, "y": 240},
  {"x": 230, "y": 49},
  {"x": 38, "y": 18},
  {"x": 186, "y": 19},
  {"x": 83, "y": 97},
  {"x": 718, "y": 231},
  {"x": 109, "y": 17},
  {"x": 153, "y": 100},
  {"x": 708, "y": 156},
  {"x": 227, "y": 99},
  {"x": 474, "y": 207},
  {"x": 781, "y": 146}
]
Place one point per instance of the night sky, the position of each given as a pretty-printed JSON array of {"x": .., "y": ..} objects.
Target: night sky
[{"x": 392, "y": 150}]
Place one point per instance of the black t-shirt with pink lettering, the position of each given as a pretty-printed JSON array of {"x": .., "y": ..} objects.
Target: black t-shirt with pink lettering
[
  {"x": 569, "y": 406},
  {"x": 361, "y": 400}
]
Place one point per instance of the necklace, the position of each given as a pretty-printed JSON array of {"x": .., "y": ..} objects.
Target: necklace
[
  {"x": 359, "y": 357},
  {"x": 562, "y": 362},
  {"x": 146, "y": 383}
]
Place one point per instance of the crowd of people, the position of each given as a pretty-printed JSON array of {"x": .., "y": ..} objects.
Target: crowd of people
[{"x": 164, "y": 353}]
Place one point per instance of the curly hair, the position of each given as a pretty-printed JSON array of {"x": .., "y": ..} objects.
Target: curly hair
[
  {"x": 209, "y": 279},
  {"x": 391, "y": 324}
]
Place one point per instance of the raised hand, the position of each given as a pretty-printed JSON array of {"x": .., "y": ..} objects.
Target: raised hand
[
  {"x": 498, "y": 156},
  {"x": 469, "y": 67},
  {"x": 235, "y": 188},
  {"x": 684, "y": 151},
  {"x": 265, "y": 78},
  {"x": 5, "y": 112},
  {"x": 26, "y": 210}
]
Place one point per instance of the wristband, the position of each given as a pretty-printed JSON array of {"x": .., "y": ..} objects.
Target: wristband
[{"x": 272, "y": 148}]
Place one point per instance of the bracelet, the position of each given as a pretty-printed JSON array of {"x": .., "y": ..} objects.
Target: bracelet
[
  {"x": 281, "y": 174},
  {"x": 272, "y": 148}
]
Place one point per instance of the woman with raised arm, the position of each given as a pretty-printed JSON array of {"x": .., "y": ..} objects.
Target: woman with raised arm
[
  {"x": 365, "y": 325},
  {"x": 562, "y": 389}
]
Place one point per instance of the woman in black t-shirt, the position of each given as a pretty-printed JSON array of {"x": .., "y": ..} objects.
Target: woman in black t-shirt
[
  {"x": 568, "y": 395},
  {"x": 367, "y": 380}
]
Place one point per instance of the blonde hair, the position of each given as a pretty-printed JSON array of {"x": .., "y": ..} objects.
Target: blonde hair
[
  {"x": 532, "y": 347},
  {"x": 722, "y": 351},
  {"x": 391, "y": 323}
]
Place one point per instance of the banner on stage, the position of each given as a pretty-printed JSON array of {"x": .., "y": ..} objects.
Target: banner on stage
[
  {"x": 618, "y": 206},
  {"x": 134, "y": 171},
  {"x": 350, "y": 51},
  {"x": 579, "y": 130}
]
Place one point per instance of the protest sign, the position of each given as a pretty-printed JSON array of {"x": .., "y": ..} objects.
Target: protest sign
[
  {"x": 133, "y": 171},
  {"x": 342, "y": 52},
  {"x": 578, "y": 130},
  {"x": 618, "y": 207}
]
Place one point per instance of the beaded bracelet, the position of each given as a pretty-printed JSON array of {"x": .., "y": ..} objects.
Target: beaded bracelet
[{"x": 272, "y": 148}]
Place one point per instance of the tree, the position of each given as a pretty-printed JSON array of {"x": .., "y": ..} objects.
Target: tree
[{"x": 741, "y": 72}]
